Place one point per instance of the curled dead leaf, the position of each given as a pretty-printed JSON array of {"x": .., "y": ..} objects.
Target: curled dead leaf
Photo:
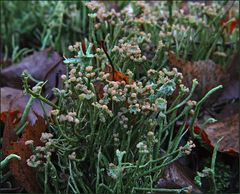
[{"x": 43, "y": 65}]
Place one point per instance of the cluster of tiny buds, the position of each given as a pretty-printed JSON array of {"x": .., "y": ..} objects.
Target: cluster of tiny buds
[
  {"x": 89, "y": 68},
  {"x": 101, "y": 13},
  {"x": 152, "y": 122},
  {"x": 72, "y": 156},
  {"x": 29, "y": 142},
  {"x": 142, "y": 148},
  {"x": 33, "y": 161},
  {"x": 109, "y": 16},
  {"x": 191, "y": 103},
  {"x": 211, "y": 10},
  {"x": 93, "y": 5},
  {"x": 45, "y": 137},
  {"x": 136, "y": 93},
  {"x": 103, "y": 107},
  {"x": 183, "y": 88},
  {"x": 164, "y": 34},
  {"x": 123, "y": 120},
  {"x": 78, "y": 78},
  {"x": 49, "y": 142},
  {"x": 70, "y": 117},
  {"x": 37, "y": 158},
  {"x": 104, "y": 76},
  {"x": 187, "y": 149},
  {"x": 41, "y": 152},
  {"x": 129, "y": 50},
  {"x": 150, "y": 134},
  {"x": 151, "y": 72},
  {"x": 115, "y": 91},
  {"x": 89, "y": 73},
  {"x": 145, "y": 19},
  {"x": 161, "y": 44},
  {"x": 55, "y": 112},
  {"x": 116, "y": 138},
  {"x": 165, "y": 75},
  {"x": 74, "y": 47},
  {"x": 163, "y": 72}
]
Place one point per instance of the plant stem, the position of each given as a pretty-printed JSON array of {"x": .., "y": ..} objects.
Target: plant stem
[{"x": 7, "y": 159}]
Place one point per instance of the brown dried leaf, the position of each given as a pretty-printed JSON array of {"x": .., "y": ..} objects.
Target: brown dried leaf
[
  {"x": 15, "y": 100},
  {"x": 177, "y": 176},
  {"x": 231, "y": 90},
  {"x": 43, "y": 65},
  {"x": 24, "y": 174},
  {"x": 208, "y": 74},
  {"x": 228, "y": 128},
  {"x": 225, "y": 110},
  {"x": 115, "y": 75}
]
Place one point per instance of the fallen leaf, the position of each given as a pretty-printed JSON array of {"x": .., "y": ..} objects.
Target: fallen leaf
[
  {"x": 224, "y": 109},
  {"x": 25, "y": 175},
  {"x": 228, "y": 128},
  {"x": 231, "y": 24},
  {"x": 13, "y": 116},
  {"x": 231, "y": 90},
  {"x": 177, "y": 176},
  {"x": 43, "y": 65},
  {"x": 15, "y": 100},
  {"x": 115, "y": 75},
  {"x": 208, "y": 74}
]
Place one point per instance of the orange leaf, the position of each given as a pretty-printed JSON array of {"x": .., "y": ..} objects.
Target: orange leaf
[
  {"x": 24, "y": 174},
  {"x": 231, "y": 26},
  {"x": 13, "y": 116},
  {"x": 204, "y": 136},
  {"x": 115, "y": 75}
]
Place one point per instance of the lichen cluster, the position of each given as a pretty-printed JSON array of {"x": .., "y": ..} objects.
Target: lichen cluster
[{"x": 112, "y": 128}]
